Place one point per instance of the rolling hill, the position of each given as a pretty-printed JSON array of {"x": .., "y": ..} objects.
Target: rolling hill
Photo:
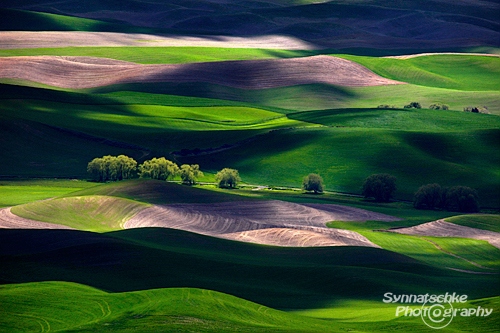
[{"x": 277, "y": 89}]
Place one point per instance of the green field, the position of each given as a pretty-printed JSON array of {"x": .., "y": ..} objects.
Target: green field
[{"x": 100, "y": 277}]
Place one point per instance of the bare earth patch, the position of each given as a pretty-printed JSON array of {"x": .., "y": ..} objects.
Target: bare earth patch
[
  {"x": 49, "y": 39},
  {"x": 265, "y": 222},
  {"x": 11, "y": 221},
  {"x": 440, "y": 228},
  {"x": 88, "y": 72}
]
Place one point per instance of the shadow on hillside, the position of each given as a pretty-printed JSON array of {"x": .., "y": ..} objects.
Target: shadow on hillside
[{"x": 282, "y": 278}]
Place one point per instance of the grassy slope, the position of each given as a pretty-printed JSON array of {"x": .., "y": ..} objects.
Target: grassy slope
[
  {"x": 57, "y": 306},
  {"x": 90, "y": 210},
  {"x": 486, "y": 222},
  {"x": 160, "y": 55},
  {"x": 90, "y": 213},
  {"x": 15, "y": 20},
  {"x": 344, "y": 159},
  {"x": 458, "y": 72},
  {"x": 289, "y": 278},
  {"x": 410, "y": 137},
  {"x": 425, "y": 250},
  {"x": 23, "y": 191}
]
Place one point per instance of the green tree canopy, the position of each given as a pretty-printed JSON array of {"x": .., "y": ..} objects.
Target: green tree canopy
[
  {"x": 381, "y": 187},
  {"x": 313, "y": 182},
  {"x": 190, "y": 173},
  {"x": 227, "y": 178},
  {"x": 158, "y": 168},
  {"x": 111, "y": 168},
  {"x": 462, "y": 199},
  {"x": 428, "y": 196}
]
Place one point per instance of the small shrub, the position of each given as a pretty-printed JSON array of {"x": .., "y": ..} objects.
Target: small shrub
[
  {"x": 413, "y": 105},
  {"x": 476, "y": 109},
  {"x": 439, "y": 107}
]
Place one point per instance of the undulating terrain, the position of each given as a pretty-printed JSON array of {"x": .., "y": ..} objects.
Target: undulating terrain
[{"x": 276, "y": 89}]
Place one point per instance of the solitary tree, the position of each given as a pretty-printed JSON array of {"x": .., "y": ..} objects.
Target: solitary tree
[
  {"x": 158, "y": 168},
  {"x": 381, "y": 187},
  {"x": 190, "y": 173},
  {"x": 462, "y": 199},
  {"x": 428, "y": 196},
  {"x": 227, "y": 178},
  {"x": 313, "y": 182}
]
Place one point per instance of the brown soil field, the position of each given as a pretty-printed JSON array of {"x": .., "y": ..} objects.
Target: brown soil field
[
  {"x": 88, "y": 72},
  {"x": 440, "y": 228},
  {"x": 265, "y": 222},
  {"x": 11, "y": 221},
  {"x": 49, "y": 39}
]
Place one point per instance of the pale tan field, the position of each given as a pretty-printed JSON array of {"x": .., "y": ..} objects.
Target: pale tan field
[
  {"x": 89, "y": 72},
  {"x": 441, "y": 228}
]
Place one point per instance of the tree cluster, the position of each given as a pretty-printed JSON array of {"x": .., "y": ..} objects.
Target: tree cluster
[
  {"x": 456, "y": 198},
  {"x": 413, "y": 105},
  {"x": 380, "y": 186},
  {"x": 476, "y": 109},
  {"x": 112, "y": 168},
  {"x": 438, "y": 106}
]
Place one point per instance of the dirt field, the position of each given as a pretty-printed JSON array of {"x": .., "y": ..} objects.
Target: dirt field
[
  {"x": 267, "y": 222},
  {"x": 440, "y": 228},
  {"x": 88, "y": 72},
  {"x": 46, "y": 39},
  {"x": 264, "y": 222}
]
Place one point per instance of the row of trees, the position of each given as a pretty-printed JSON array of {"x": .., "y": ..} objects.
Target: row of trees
[
  {"x": 416, "y": 105},
  {"x": 382, "y": 188},
  {"x": 113, "y": 168}
]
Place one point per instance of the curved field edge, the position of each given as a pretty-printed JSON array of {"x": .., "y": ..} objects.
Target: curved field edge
[
  {"x": 459, "y": 72},
  {"x": 91, "y": 213},
  {"x": 290, "y": 278},
  {"x": 19, "y": 192},
  {"x": 446, "y": 252},
  {"x": 489, "y": 222},
  {"x": 265, "y": 222},
  {"x": 462, "y": 72},
  {"x": 161, "y": 55}
]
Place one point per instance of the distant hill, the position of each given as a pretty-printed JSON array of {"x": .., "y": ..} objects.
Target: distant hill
[{"x": 340, "y": 24}]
